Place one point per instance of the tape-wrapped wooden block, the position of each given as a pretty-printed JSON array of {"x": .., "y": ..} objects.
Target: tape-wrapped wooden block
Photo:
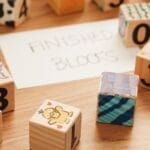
[
  {"x": 117, "y": 98},
  {"x": 55, "y": 126},
  {"x": 134, "y": 23},
  {"x": 107, "y": 5},
  {"x": 63, "y": 7},
  {"x": 142, "y": 67},
  {"x": 7, "y": 90},
  {"x": 13, "y": 12}
]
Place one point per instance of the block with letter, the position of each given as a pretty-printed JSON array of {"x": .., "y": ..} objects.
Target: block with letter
[
  {"x": 142, "y": 67},
  {"x": 55, "y": 126},
  {"x": 117, "y": 98},
  {"x": 7, "y": 90},
  {"x": 63, "y": 7},
  {"x": 13, "y": 12},
  {"x": 1, "y": 125},
  {"x": 107, "y": 5},
  {"x": 134, "y": 24}
]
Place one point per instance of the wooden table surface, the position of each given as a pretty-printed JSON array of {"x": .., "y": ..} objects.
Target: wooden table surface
[{"x": 82, "y": 94}]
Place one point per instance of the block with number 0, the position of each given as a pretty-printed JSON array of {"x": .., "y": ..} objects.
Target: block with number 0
[
  {"x": 107, "y": 5},
  {"x": 55, "y": 126},
  {"x": 7, "y": 90},
  {"x": 134, "y": 24}
]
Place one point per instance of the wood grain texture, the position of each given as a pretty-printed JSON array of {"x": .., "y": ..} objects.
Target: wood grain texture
[{"x": 82, "y": 94}]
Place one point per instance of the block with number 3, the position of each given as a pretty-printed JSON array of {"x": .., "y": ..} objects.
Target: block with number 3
[
  {"x": 107, "y": 5},
  {"x": 6, "y": 90}
]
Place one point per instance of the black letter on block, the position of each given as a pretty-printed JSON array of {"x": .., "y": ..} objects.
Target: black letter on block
[
  {"x": 136, "y": 31},
  {"x": 3, "y": 101},
  {"x": 116, "y": 5}
]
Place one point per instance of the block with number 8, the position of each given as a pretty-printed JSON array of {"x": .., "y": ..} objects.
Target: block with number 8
[
  {"x": 134, "y": 24},
  {"x": 6, "y": 90}
]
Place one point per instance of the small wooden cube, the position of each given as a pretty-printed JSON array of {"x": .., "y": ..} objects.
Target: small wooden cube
[
  {"x": 55, "y": 126},
  {"x": 117, "y": 98},
  {"x": 134, "y": 24},
  {"x": 7, "y": 90},
  {"x": 107, "y": 5},
  {"x": 1, "y": 126},
  {"x": 142, "y": 67},
  {"x": 63, "y": 7},
  {"x": 13, "y": 12}
]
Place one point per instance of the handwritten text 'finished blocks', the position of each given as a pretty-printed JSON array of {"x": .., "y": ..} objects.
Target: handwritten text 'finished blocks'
[
  {"x": 134, "y": 24},
  {"x": 13, "y": 12},
  {"x": 55, "y": 126},
  {"x": 117, "y": 98}
]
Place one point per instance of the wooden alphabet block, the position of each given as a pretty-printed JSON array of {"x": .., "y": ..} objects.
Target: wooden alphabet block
[
  {"x": 55, "y": 126},
  {"x": 107, "y": 5},
  {"x": 63, "y": 7},
  {"x": 134, "y": 24},
  {"x": 142, "y": 67},
  {"x": 13, "y": 12},
  {"x": 1, "y": 125},
  {"x": 117, "y": 98},
  {"x": 6, "y": 90}
]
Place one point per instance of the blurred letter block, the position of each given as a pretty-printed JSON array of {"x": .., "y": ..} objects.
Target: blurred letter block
[
  {"x": 7, "y": 88},
  {"x": 55, "y": 126},
  {"x": 1, "y": 125},
  {"x": 63, "y": 7},
  {"x": 117, "y": 98},
  {"x": 134, "y": 25},
  {"x": 13, "y": 12},
  {"x": 142, "y": 67}
]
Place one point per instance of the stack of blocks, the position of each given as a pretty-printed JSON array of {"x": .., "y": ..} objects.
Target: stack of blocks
[
  {"x": 6, "y": 90},
  {"x": 62, "y": 7},
  {"x": 13, "y": 12},
  {"x": 55, "y": 126},
  {"x": 134, "y": 24},
  {"x": 1, "y": 124},
  {"x": 142, "y": 67},
  {"x": 117, "y": 98},
  {"x": 107, "y": 5}
]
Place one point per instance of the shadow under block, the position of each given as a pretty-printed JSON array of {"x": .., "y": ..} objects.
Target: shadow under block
[
  {"x": 63, "y": 7},
  {"x": 13, "y": 12},
  {"x": 107, "y": 5},
  {"x": 1, "y": 125},
  {"x": 117, "y": 98},
  {"x": 6, "y": 90},
  {"x": 55, "y": 126},
  {"x": 142, "y": 67},
  {"x": 134, "y": 24}
]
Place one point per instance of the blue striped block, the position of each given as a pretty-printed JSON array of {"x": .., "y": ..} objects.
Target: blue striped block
[{"x": 115, "y": 110}]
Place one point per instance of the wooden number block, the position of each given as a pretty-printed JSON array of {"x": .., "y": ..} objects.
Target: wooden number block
[
  {"x": 13, "y": 12},
  {"x": 134, "y": 24},
  {"x": 107, "y": 5},
  {"x": 142, "y": 67},
  {"x": 1, "y": 125},
  {"x": 55, "y": 126},
  {"x": 62, "y": 7},
  {"x": 6, "y": 90},
  {"x": 117, "y": 98}
]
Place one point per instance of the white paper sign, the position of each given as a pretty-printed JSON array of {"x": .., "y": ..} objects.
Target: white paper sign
[{"x": 66, "y": 53}]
